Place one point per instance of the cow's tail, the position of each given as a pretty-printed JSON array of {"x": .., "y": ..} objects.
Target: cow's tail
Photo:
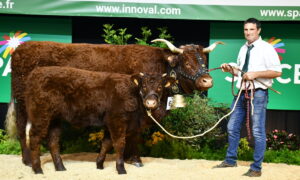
[
  {"x": 10, "y": 121},
  {"x": 28, "y": 127}
]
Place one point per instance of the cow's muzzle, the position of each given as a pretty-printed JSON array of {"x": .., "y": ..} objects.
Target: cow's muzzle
[{"x": 204, "y": 82}]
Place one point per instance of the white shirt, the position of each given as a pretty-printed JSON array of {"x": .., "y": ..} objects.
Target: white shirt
[{"x": 263, "y": 57}]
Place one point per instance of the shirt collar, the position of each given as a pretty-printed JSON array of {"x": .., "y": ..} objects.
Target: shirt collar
[{"x": 254, "y": 43}]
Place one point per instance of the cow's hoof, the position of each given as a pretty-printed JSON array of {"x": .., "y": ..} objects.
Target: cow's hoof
[
  {"x": 61, "y": 168},
  {"x": 100, "y": 166},
  {"x": 122, "y": 171},
  {"x": 27, "y": 162},
  {"x": 38, "y": 171},
  {"x": 134, "y": 161},
  {"x": 137, "y": 164}
]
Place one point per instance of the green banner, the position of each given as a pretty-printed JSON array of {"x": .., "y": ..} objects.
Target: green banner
[
  {"x": 235, "y": 10},
  {"x": 285, "y": 38},
  {"x": 17, "y": 30}
]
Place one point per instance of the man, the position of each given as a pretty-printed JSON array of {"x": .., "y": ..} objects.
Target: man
[{"x": 259, "y": 60}]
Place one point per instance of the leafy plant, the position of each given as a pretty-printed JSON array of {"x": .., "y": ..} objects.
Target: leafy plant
[
  {"x": 163, "y": 34},
  {"x": 112, "y": 36},
  {"x": 280, "y": 139},
  {"x": 197, "y": 117},
  {"x": 7, "y": 145},
  {"x": 172, "y": 148},
  {"x": 282, "y": 156},
  {"x": 120, "y": 37},
  {"x": 74, "y": 140},
  {"x": 146, "y": 33},
  {"x": 11, "y": 146},
  {"x": 245, "y": 152}
]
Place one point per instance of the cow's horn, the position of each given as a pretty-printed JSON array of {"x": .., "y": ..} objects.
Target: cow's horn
[
  {"x": 170, "y": 45},
  {"x": 212, "y": 47}
]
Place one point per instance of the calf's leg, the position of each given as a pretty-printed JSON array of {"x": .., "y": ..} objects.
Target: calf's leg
[
  {"x": 35, "y": 143},
  {"x": 118, "y": 135},
  {"x": 53, "y": 143},
  {"x": 131, "y": 153}
]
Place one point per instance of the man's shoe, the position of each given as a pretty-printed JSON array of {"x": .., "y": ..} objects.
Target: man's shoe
[
  {"x": 252, "y": 173},
  {"x": 225, "y": 165}
]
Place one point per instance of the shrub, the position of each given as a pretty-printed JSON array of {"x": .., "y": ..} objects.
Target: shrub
[
  {"x": 163, "y": 34},
  {"x": 112, "y": 36},
  {"x": 74, "y": 140},
  {"x": 245, "y": 152},
  {"x": 7, "y": 145},
  {"x": 146, "y": 33},
  {"x": 11, "y": 146},
  {"x": 120, "y": 37},
  {"x": 171, "y": 148},
  {"x": 282, "y": 156},
  {"x": 280, "y": 139},
  {"x": 198, "y": 116}
]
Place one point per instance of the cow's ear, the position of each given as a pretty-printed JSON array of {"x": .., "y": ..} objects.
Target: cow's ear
[
  {"x": 169, "y": 81},
  {"x": 172, "y": 60},
  {"x": 136, "y": 79}
]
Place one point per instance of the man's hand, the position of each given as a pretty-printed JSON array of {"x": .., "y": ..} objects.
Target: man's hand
[
  {"x": 226, "y": 68},
  {"x": 249, "y": 76}
]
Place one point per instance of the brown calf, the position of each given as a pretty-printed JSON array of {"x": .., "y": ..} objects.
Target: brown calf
[{"x": 87, "y": 98}]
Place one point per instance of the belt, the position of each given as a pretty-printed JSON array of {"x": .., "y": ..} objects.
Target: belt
[{"x": 257, "y": 89}]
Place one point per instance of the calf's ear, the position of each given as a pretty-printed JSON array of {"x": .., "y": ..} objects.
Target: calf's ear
[
  {"x": 169, "y": 81},
  {"x": 135, "y": 78}
]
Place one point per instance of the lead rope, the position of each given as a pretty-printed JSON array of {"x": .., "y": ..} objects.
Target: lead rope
[
  {"x": 249, "y": 100},
  {"x": 238, "y": 97},
  {"x": 198, "y": 135}
]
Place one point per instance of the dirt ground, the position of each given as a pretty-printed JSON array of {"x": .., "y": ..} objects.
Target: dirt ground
[{"x": 82, "y": 166}]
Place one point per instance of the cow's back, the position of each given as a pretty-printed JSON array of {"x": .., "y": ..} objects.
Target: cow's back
[{"x": 126, "y": 59}]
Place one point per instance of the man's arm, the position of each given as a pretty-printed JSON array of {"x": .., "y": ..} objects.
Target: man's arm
[{"x": 269, "y": 74}]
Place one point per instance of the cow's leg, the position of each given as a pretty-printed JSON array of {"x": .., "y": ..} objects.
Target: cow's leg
[
  {"x": 117, "y": 132},
  {"x": 131, "y": 153},
  {"x": 105, "y": 147},
  {"x": 21, "y": 120},
  {"x": 53, "y": 143}
]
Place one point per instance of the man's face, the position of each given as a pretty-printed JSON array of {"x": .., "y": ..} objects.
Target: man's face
[{"x": 251, "y": 32}]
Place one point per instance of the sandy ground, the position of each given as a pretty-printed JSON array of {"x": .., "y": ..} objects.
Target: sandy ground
[{"x": 82, "y": 166}]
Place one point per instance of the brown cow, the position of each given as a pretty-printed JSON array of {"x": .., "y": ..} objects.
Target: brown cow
[
  {"x": 189, "y": 62},
  {"x": 87, "y": 98}
]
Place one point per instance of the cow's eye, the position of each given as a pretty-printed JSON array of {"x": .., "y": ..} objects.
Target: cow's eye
[{"x": 187, "y": 64}]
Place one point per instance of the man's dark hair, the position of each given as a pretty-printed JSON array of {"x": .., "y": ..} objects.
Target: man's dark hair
[{"x": 254, "y": 21}]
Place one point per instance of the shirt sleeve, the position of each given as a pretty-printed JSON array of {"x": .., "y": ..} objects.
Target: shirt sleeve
[{"x": 272, "y": 60}]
